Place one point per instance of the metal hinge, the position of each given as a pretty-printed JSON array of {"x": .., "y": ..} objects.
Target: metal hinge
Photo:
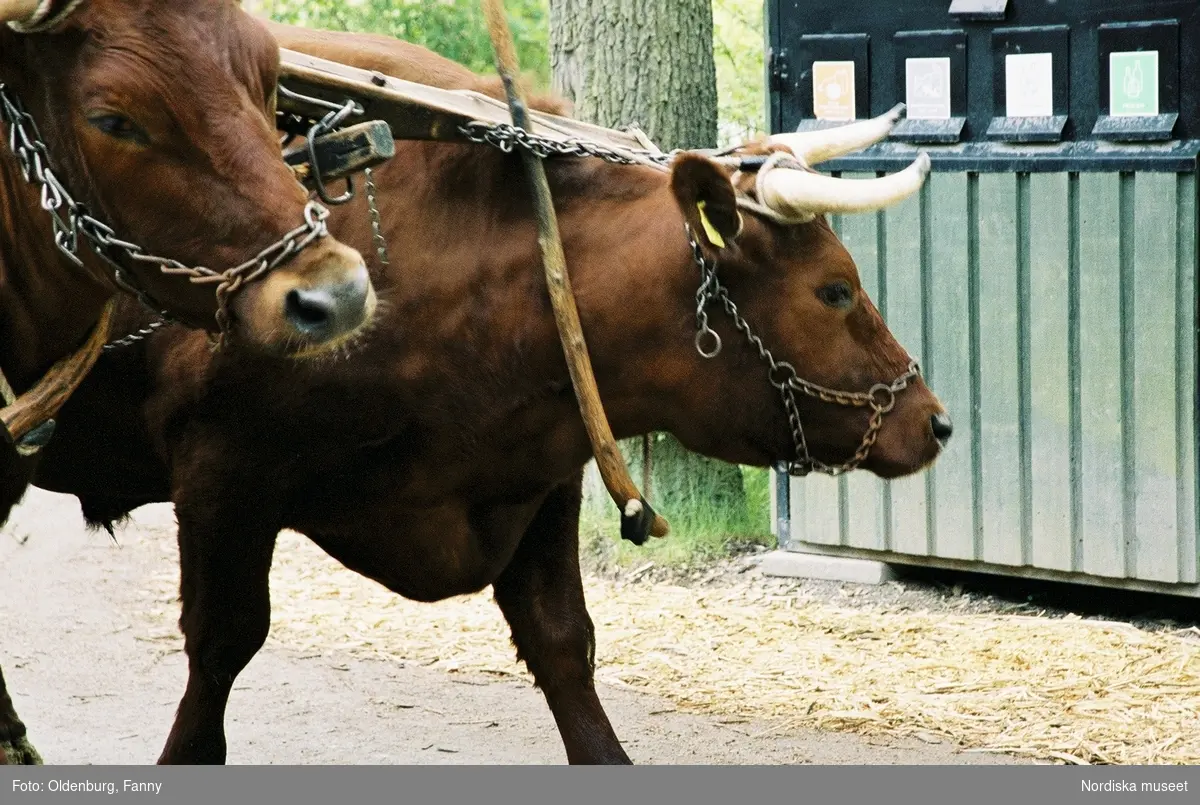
[{"x": 778, "y": 69}]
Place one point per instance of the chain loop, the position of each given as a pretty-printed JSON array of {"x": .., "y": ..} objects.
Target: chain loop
[
  {"x": 323, "y": 126},
  {"x": 712, "y": 337},
  {"x": 27, "y": 145},
  {"x": 889, "y": 401}
]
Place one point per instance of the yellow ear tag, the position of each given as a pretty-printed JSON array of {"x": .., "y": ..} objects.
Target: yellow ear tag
[{"x": 714, "y": 237}]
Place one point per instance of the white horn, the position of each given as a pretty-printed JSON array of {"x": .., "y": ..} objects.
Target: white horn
[
  {"x": 800, "y": 193},
  {"x": 813, "y": 147},
  {"x": 21, "y": 10}
]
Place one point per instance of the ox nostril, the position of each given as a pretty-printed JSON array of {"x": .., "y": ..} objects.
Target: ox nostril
[
  {"x": 943, "y": 427},
  {"x": 311, "y": 311},
  {"x": 328, "y": 311}
]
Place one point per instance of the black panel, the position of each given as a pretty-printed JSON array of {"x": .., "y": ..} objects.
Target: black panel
[
  {"x": 1084, "y": 32},
  {"x": 950, "y": 45},
  {"x": 1162, "y": 38},
  {"x": 828, "y": 48},
  {"x": 1051, "y": 41}
]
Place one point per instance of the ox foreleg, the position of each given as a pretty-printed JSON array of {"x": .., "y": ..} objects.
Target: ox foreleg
[
  {"x": 225, "y": 563},
  {"x": 541, "y": 596},
  {"x": 15, "y": 749}
]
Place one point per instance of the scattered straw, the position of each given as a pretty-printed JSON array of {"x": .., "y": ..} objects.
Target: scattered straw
[{"x": 1066, "y": 690}]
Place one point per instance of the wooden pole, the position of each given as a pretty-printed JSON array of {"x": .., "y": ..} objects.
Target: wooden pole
[
  {"x": 647, "y": 463},
  {"x": 637, "y": 518}
]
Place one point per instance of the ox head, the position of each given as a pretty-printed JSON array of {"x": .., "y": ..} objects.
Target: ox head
[
  {"x": 828, "y": 387},
  {"x": 158, "y": 115}
]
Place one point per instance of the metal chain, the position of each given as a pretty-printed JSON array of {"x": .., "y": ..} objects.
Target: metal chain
[
  {"x": 505, "y": 137},
  {"x": 376, "y": 224},
  {"x": 783, "y": 376},
  {"x": 133, "y": 338},
  {"x": 331, "y": 121},
  {"x": 70, "y": 220}
]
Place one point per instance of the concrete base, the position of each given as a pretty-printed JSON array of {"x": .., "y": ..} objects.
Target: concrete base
[{"x": 829, "y": 568}]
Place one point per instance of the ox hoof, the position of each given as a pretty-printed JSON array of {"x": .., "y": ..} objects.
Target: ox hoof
[{"x": 19, "y": 753}]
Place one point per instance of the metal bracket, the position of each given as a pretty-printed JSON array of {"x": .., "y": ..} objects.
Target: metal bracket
[
  {"x": 343, "y": 153},
  {"x": 778, "y": 69}
]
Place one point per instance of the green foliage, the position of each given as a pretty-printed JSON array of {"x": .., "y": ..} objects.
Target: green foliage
[
  {"x": 715, "y": 509},
  {"x": 739, "y": 51},
  {"x": 703, "y": 527},
  {"x": 453, "y": 28}
]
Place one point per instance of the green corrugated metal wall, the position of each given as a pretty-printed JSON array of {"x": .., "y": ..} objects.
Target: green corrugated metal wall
[{"x": 1055, "y": 315}]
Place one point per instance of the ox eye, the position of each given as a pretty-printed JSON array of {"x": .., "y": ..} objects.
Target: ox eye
[
  {"x": 836, "y": 294},
  {"x": 121, "y": 128}
]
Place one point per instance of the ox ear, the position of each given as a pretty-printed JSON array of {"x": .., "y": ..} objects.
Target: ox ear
[{"x": 708, "y": 201}]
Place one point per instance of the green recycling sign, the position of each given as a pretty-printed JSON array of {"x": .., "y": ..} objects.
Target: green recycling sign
[{"x": 1133, "y": 83}]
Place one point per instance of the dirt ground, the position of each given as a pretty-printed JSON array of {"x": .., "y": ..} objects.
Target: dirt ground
[{"x": 98, "y": 683}]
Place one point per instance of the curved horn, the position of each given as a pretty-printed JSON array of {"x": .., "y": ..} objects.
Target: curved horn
[
  {"x": 813, "y": 147},
  {"x": 798, "y": 193},
  {"x": 18, "y": 10}
]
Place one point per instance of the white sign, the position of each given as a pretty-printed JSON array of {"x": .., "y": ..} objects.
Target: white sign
[
  {"x": 927, "y": 88},
  {"x": 1029, "y": 84}
]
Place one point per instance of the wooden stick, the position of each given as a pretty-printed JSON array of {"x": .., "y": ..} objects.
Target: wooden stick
[
  {"x": 41, "y": 403},
  {"x": 647, "y": 463},
  {"x": 637, "y": 518}
]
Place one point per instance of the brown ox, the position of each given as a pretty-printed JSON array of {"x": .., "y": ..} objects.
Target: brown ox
[
  {"x": 446, "y": 454},
  {"x": 158, "y": 116}
]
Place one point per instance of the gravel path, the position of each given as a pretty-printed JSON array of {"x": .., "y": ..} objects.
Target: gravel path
[{"x": 96, "y": 683}]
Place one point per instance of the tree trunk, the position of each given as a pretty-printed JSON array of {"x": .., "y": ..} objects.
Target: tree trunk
[{"x": 648, "y": 62}]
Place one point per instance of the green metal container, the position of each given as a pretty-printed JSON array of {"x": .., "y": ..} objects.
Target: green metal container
[
  {"x": 1055, "y": 316},
  {"x": 1046, "y": 282}
]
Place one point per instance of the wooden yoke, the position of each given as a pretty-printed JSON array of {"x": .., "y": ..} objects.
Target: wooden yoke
[
  {"x": 638, "y": 520},
  {"x": 421, "y": 112}
]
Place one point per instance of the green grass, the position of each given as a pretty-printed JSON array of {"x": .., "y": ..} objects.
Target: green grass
[{"x": 700, "y": 532}]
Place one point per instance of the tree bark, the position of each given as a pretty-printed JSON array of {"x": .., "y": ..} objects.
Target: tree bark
[
  {"x": 644, "y": 62},
  {"x": 650, "y": 62}
]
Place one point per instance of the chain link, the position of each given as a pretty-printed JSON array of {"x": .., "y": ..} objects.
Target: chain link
[
  {"x": 505, "y": 137},
  {"x": 135, "y": 337},
  {"x": 70, "y": 220},
  {"x": 881, "y": 397},
  {"x": 376, "y": 224}
]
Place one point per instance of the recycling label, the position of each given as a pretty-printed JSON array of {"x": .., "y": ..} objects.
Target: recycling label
[
  {"x": 1133, "y": 83},
  {"x": 833, "y": 90},
  {"x": 927, "y": 88}
]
